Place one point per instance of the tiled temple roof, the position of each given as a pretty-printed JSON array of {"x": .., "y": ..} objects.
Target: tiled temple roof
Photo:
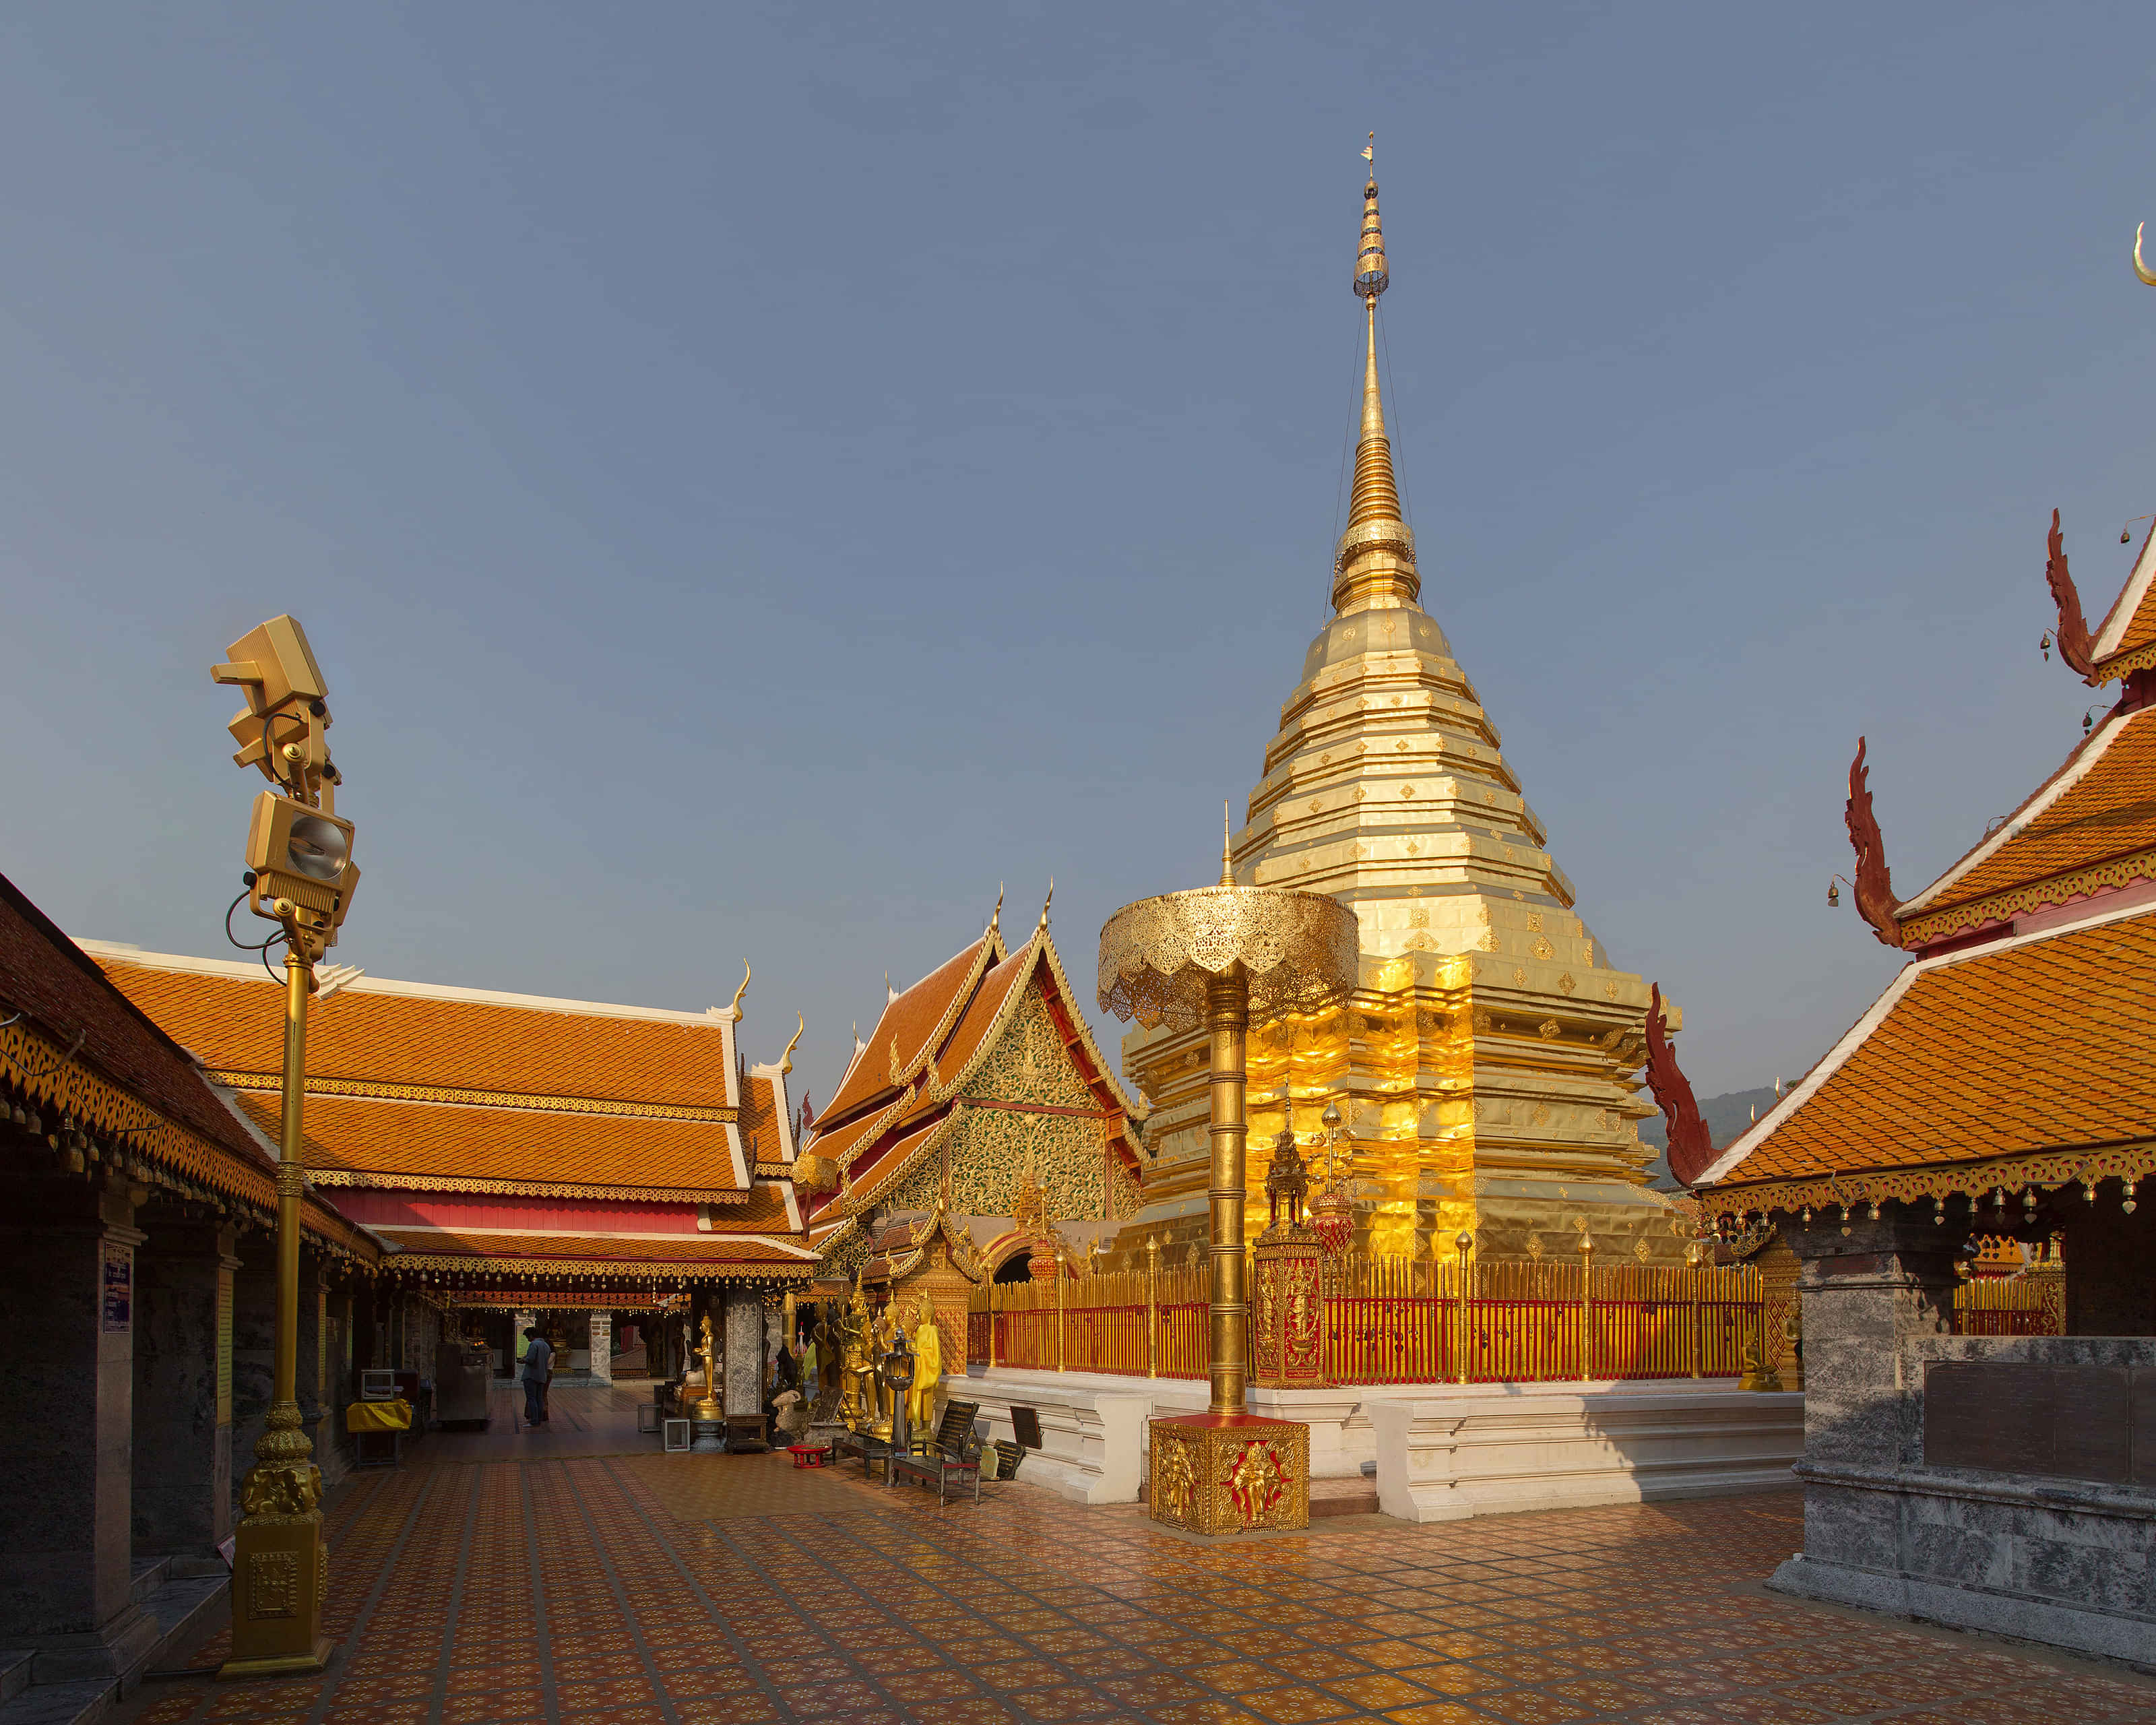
[
  {"x": 2090, "y": 828},
  {"x": 413, "y": 1084},
  {"x": 2026, "y": 1060},
  {"x": 120, "y": 1072}
]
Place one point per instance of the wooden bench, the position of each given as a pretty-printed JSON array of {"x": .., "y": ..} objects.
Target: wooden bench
[{"x": 950, "y": 1461}]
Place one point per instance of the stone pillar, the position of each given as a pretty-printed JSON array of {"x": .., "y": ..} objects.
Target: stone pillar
[
  {"x": 744, "y": 1361},
  {"x": 1866, "y": 1294},
  {"x": 67, "y": 1428},
  {"x": 182, "y": 1415},
  {"x": 600, "y": 1341},
  {"x": 253, "y": 1346},
  {"x": 317, "y": 1416}
]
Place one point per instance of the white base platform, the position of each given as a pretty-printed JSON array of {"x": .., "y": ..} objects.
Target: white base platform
[{"x": 1442, "y": 1451}]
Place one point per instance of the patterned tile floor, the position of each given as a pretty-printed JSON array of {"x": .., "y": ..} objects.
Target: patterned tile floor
[{"x": 687, "y": 1591}]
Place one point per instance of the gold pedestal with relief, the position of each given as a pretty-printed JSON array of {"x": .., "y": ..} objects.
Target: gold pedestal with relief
[
  {"x": 1230, "y": 1473},
  {"x": 1211, "y": 956}
]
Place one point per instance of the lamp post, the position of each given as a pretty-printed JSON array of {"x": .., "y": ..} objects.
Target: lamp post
[
  {"x": 300, "y": 875},
  {"x": 1215, "y": 956}
]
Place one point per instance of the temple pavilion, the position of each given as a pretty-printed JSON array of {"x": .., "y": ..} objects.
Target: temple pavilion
[
  {"x": 527, "y": 1159},
  {"x": 1485, "y": 1065},
  {"x": 2003, "y": 1085},
  {"x": 137, "y": 1271},
  {"x": 978, "y": 1129}
]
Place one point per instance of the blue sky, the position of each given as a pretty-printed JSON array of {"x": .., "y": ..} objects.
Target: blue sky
[{"x": 756, "y": 479}]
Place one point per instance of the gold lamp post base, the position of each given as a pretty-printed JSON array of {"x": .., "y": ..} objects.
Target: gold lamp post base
[
  {"x": 281, "y": 1665},
  {"x": 1230, "y": 1473},
  {"x": 280, "y": 1568}
]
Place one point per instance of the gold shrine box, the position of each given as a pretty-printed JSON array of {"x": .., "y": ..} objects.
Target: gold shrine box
[
  {"x": 1287, "y": 1310},
  {"x": 1230, "y": 1473}
]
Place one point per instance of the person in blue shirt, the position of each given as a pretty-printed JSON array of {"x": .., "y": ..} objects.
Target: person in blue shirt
[{"x": 538, "y": 1364}]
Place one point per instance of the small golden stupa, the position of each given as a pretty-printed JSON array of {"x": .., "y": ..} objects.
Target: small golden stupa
[{"x": 1486, "y": 1063}]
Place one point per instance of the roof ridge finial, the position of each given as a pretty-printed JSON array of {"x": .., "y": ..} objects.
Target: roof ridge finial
[
  {"x": 733, "y": 1007},
  {"x": 1375, "y": 561},
  {"x": 800, "y": 1026},
  {"x": 995, "y": 916},
  {"x": 1227, "y": 868},
  {"x": 1046, "y": 903}
]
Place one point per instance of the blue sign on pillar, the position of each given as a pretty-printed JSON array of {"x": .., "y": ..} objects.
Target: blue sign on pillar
[{"x": 119, "y": 1288}]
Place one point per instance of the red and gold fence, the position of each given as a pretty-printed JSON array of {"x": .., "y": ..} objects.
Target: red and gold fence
[
  {"x": 2030, "y": 1305},
  {"x": 1391, "y": 1320},
  {"x": 1394, "y": 1320}
]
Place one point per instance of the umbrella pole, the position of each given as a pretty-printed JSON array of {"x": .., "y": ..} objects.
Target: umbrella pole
[{"x": 1228, "y": 1016}]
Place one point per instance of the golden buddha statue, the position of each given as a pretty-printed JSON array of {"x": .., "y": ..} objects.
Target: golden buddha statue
[{"x": 928, "y": 1371}]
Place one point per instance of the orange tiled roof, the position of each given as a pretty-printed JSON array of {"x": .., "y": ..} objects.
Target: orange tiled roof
[
  {"x": 697, "y": 1253},
  {"x": 393, "y": 1033},
  {"x": 762, "y": 1138},
  {"x": 2101, "y": 805},
  {"x": 763, "y": 1211},
  {"x": 922, "y": 1012},
  {"x": 388, "y": 1142},
  {"x": 2123, "y": 641},
  {"x": 2032, "y": 1044},
  {"x": 981, "y": 1012}
]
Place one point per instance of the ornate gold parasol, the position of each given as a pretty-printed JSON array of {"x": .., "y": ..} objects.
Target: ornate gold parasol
[{"x": 1211, "y": 955}]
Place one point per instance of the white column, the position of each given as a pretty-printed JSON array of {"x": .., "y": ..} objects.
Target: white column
[{"x": 602, "y": 1346}]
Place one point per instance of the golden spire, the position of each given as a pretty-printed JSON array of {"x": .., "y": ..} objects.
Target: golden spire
[
  {"x": 1374, "y": 564},
  {"x": 1227, "y": 868}
]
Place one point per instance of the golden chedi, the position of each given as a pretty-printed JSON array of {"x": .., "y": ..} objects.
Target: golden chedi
[{"x": 1486, "y": 1062}]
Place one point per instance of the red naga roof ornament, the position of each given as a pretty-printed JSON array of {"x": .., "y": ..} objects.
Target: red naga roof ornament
[
  {"x": 1692, "y": 1145},
  {"x": 2076, "y": 645},
  {"x": 1874, "y": 888}
]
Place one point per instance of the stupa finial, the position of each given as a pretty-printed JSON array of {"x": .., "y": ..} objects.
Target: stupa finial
[
  {"x": 1227, "y": 867},
  {"x": 1375, "y": 561}
]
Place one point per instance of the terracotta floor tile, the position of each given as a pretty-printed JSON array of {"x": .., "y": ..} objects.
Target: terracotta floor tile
[{"x": 1298, "y": 1703}]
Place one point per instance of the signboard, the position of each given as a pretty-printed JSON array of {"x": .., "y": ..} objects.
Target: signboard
[
  {"x": 119, "y": 1288},
  {"x": 224, "y": 1347}
]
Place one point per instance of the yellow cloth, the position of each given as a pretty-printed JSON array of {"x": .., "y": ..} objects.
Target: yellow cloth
[
  {"x": 927, "y": 1373},
  {"x": 395, "y": 1415}
]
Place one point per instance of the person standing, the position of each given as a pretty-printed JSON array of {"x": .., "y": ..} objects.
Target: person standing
[{"x": 538, "y": 1367}]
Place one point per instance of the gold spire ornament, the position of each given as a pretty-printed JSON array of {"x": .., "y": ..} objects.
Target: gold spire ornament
[
  {"x": 1373, "y": 565},
  {"x": 2140, "y": 268}
]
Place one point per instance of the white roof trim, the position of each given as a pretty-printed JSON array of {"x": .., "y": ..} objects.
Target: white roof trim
[
  {"x": 2075, "y": 771},
  {"x": 2129, "y": 599},
  {"x": 244, "y": 971},
  {"x": 1814, "y": 1081}
]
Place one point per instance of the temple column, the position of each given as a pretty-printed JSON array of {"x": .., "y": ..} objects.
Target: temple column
[
  {"x": 182, "y": 1412},
  {"x": 744, "y": 1360},
  {"x": 67, "y": 1270},
  {"x": 1866, "y": 1294},
  {"x": 317, "y": 1416},
  {"x": 253, "y": 1346},
  {"x": 601, "y": 1343}
]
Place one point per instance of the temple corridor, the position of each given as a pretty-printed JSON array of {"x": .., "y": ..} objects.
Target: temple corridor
[{"x": 693, "y": 1590}]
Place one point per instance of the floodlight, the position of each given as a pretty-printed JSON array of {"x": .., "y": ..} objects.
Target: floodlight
[
  {"x": 273, "y": 663},
  {"x": 300, "y": 853}
]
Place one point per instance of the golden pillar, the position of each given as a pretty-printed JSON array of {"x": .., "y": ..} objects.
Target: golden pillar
[
  {"x": 1211, "y": 956},
  {"x": 1228, "y": 1018}
]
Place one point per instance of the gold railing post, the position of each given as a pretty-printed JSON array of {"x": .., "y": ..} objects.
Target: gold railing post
[
  {"x": 1153, "y": 1306},
  {"x": 1059, "y": 1313},
  {"x": 1465, "y": 1243},
  {"x": 1696, "y": 1331},
  {"x": 1586, "y": 1306}
]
